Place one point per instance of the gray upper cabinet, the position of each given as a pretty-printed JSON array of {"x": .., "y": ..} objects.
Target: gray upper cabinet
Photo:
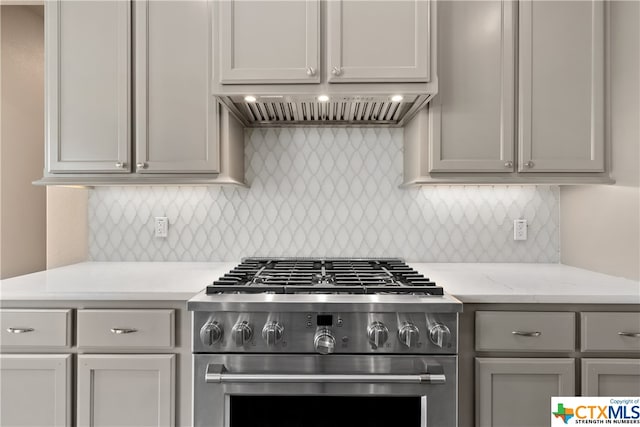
[
  {"x": 520, "y": 96},
  {"x": 176, "y": 129},
  {"x": 378, "y": 41},
  {"x": 88, "y": 86},
  {"x": 169, "y": 130},
  {"x": 268, "y": 41},
  {"x": 561, "y": 93},
  {"x": 472, "y": 117}
]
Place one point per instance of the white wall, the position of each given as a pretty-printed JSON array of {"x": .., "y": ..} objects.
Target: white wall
[
  {"x": 600, "y": 225},
  {"x": 22, "y": 206}
]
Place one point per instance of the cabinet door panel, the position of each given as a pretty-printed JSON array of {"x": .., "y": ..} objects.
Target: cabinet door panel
[
  {"x": 378, "y": 41},
  {"x": 501, "y": 384},
  {"x": 126, "y": 390},
  {"x": 268, "y": 41},
  {"x": 561, "y": 86},
  {"x": 611, "y": 377},
  {"x": 35, "y": 390},
  {"x": 88, "y": 86},
  {"x": 472, "y": 118},
  {"x": 176, "y": 117}
]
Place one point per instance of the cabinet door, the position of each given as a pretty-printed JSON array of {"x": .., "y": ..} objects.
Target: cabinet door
[
  {"x": 473, "y": 116},
  {"x": 35, "y": 390},
  {"x": 88, "y": 86},
  {"x": 126, "y": 390},
  {"x": 561, "y": 92},
  {"x": 611, "y": 377},
  {"x": 517, "y": 392},
  {"x": 176, "y": 117},
  {"x": 268, "y": 41},
  {"x": 378, "y": 41}
]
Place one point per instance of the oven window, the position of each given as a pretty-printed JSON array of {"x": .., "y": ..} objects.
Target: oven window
[{"x": 322, "y": 411}]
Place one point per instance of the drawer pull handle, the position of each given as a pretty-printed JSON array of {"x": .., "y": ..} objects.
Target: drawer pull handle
[
  {"x": 629, "y": 334},
  {"x": 527, "y": 334},
  {"x": 120, "y": 331},
  {"x": 19, "y": 330}
]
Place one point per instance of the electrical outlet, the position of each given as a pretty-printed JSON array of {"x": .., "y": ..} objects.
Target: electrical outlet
[
  {"x": 519, "y": 229},
  {"x": 161, "y": 226}
]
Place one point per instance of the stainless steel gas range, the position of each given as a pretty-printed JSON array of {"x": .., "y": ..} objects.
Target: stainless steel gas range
[{"x": 313, "y": 342}]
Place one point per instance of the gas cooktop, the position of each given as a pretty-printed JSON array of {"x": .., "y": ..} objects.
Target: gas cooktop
[{"x": 323, "y": 276}]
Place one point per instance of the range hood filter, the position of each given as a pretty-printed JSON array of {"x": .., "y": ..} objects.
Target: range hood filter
[{"x": 268, "y": 111}]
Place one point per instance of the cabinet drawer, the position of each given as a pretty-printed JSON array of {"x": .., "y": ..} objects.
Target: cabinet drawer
[
  {"x": 35, "y": 328},
  {"x": 152, "y": 329},
  {"x": 610, "y": 332},
  {"x": 525, "y": 331}
]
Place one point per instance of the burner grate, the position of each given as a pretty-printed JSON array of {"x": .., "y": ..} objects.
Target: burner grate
[{"x": 326, "y": 276}]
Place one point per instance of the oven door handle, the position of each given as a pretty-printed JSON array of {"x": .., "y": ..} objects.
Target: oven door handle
[{"x": 217, "y": 373}]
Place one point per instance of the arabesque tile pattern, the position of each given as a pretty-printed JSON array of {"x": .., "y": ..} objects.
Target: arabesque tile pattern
[{"x": 325, "y": 192}]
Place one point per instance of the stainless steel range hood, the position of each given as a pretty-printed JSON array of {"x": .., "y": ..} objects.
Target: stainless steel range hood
[{"x": 297, "y": 110}]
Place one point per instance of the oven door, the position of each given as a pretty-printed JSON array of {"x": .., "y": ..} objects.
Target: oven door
[{"x": 337, "y": 390}]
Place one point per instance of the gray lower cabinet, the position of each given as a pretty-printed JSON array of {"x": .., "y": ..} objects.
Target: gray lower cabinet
[
  {"x": 126, "y": 390},
  {"x": 88, "y": 82},
  {"x": 561, "y": 86},
  {"x": 611, "y": 377},
  {"x": 35, "y": 390},
  {"x": 516, "y": 392}
]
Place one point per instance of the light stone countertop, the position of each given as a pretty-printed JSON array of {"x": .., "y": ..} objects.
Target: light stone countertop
[
  {"x": 529, "y": 283},
  {"x": 153, "y": 281},
  {"x": 178, "y": 281}
]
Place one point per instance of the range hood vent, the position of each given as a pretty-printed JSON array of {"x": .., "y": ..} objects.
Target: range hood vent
[{"x": 269, "y": 111}]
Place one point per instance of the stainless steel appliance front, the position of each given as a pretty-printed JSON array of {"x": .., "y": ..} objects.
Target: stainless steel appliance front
[{"x": 223, "y": 383}]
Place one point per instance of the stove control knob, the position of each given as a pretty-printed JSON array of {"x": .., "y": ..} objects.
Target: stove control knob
[
  {"x": 409, "y": 334},
  {"x": 378, "y": 334},
  {"x": 272, "y": 333},
  {"x": 241, "y": 333},
  {"x": 210, "y": 333},
  {"x": 324, "y": 342},
  {"x": 440, "y": 335}
]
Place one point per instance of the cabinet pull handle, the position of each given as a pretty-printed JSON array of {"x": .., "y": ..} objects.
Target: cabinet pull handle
[
  {"x": 311, "y": 71},
  {"x": 508, "y": 164},
  {"x": 529, "y": 164},
  {"x": 141, "y": 165},
  {"x": 629, "y": 334},
  {"x": 527, "y": 334},
  {"x": 120, "y": 165},
  {"x": 336, "y": 71},
  {"x": 19, "y": 330},
  {"x": 120, "y": 331}
]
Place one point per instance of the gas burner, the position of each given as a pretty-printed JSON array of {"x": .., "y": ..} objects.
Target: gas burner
[
  {"x": 324, "y": 276},
  {"x": 320, "y": 279}
]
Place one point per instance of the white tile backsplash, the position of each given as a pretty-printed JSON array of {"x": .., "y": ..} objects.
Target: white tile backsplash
[{"x": 325, "y": 192}]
